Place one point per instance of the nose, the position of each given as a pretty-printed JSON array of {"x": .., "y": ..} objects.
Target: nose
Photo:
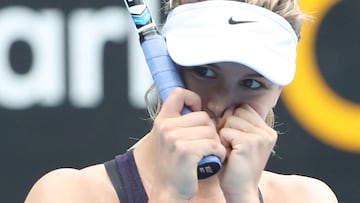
[
  {"x": 217, "y": 106},
  {"x": 220, "y": 106}
]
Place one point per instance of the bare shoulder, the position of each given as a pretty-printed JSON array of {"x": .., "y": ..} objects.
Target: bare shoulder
[
  {"x": 295, "y": 188},
  {"x": 90, "y": 185}
]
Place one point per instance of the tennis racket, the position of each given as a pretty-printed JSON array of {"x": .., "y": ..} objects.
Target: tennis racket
[{"x": 162, "y": 68}]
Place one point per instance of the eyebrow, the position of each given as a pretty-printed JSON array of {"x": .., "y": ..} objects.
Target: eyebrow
[
  {"x": 216, "y": 66},
  {"x": 254, "y": 74},
  {"x": 258, "y": 75}
]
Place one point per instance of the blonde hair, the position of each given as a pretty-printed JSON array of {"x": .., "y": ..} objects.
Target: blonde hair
[{"x": 288, "y": 9}]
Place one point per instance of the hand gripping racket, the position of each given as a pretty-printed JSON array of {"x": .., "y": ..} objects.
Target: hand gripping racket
[{"x": 162, "y": 69}]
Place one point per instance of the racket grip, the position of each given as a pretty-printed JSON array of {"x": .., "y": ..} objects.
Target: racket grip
[{"x": 166, "y": 78}]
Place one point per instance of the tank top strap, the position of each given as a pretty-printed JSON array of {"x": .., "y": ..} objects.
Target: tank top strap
[
  {"x": 116, "y": 180},
  {"x": 260, "y": 196},
  {"x": 126, "y": 180}
]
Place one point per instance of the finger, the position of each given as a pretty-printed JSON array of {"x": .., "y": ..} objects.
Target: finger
[
  {"x": 242, "y": 140},
  {"x": 200, "y": 118},
  {"x": 240, "y": 124},
  {"x": 176, "y": 101},
  {"x": 246, "y": 112},
  {"x": 230, "y": 137},
  {"x": 249, "y": 114},
  {"x": 201, "y": 148},
  {"x": 165, "y": 126},
  {"x": 193, "y": 133}
]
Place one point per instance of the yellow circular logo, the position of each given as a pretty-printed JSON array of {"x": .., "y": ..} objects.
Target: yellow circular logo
[{"x": 326, "y": 115}]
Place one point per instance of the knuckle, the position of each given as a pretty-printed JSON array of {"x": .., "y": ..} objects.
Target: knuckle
[
  {"x": 214, "y": 145},
  {"x": 269, "y": 139},
  {"x": 205, "y": 117},
  {"x": 209, "y": 132},
  {"x": 161, "y": 125},
  {"x": 178, "y": 91},
  {"x": 273, "y": 135},
  {"x": 180, "y": 148},
  {"x": 203, "y": 114}
]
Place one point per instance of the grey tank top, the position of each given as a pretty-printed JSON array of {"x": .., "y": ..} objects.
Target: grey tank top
[{"x": 126, "y": 180}]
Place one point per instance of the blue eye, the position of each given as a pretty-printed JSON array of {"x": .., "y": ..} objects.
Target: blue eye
[
  {"x": 251, "y": 83},
  {"x": 205, "y": 72}
]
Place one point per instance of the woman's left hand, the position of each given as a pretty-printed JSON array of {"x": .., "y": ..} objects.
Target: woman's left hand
[{"x": 249, "y": 142}]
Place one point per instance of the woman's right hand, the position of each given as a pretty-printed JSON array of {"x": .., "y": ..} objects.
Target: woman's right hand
[{"x": 181, "y": 142}]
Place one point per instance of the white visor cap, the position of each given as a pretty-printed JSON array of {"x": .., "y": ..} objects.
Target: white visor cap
[{"x": 229, "y": 31}]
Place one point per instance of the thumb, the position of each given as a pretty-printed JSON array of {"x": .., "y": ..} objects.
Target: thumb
[{"x": 180, "y": 97}]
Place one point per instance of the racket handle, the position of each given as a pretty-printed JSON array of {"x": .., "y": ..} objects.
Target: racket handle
[{"x": 166, "y": 78}]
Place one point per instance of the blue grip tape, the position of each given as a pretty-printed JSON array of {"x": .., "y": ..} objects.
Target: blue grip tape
[{"x": 166, "y": 78}]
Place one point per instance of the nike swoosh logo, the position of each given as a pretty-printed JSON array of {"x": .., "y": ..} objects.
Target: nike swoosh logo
[{"x": 234, "y": 22}]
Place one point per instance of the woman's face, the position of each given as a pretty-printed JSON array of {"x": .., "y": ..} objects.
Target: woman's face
[{"x": 226, "y": 85}]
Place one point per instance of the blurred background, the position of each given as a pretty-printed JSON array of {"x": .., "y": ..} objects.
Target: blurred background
[{"x": 72, "y": 79}]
